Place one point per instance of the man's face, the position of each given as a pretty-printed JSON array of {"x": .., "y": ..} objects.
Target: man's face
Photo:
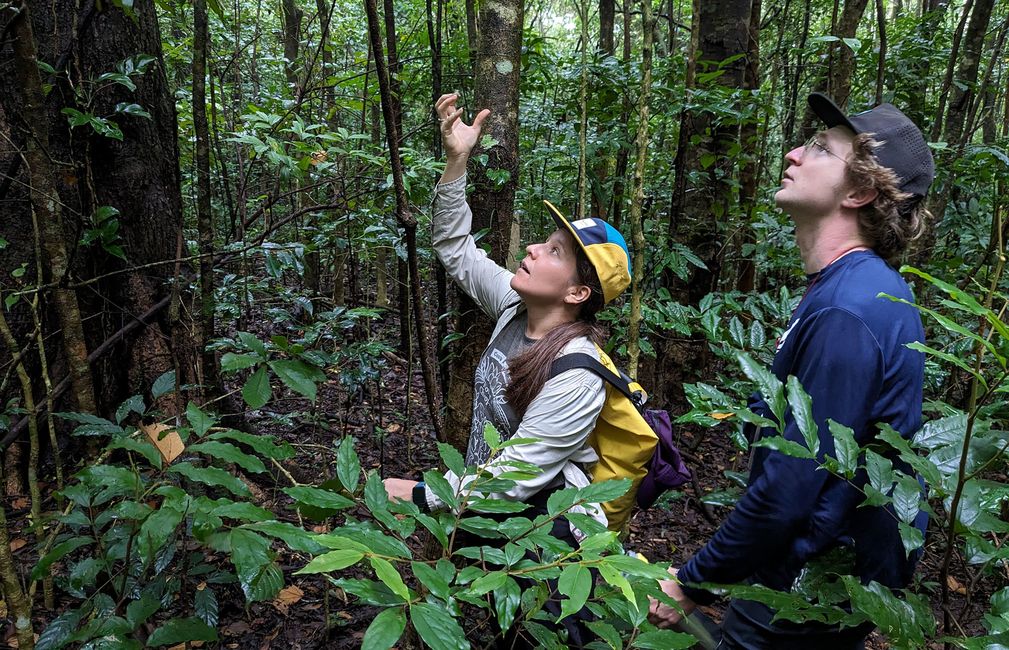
[{"x": 814, "y": 184}]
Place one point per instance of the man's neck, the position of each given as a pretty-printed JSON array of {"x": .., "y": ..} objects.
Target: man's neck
[{"x": 824, "y": 241}]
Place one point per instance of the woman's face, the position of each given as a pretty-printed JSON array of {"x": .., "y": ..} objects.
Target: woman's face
[{"x": 548, "y": 273}]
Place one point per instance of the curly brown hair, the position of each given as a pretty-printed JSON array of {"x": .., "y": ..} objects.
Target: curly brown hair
[{"x": 894, "y": 218}]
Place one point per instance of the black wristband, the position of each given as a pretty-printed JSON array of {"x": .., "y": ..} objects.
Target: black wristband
[{"x": 419, "y": 497}]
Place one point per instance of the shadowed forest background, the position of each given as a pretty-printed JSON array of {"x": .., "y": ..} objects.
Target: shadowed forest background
[{"x": 214, "y": 222}]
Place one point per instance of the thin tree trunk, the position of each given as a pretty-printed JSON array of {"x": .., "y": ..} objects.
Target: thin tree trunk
[
  {"x": 19, "y": 604},
  {"x": 292, "y": 40},
  {"x": 623, "y": 154},
  {"x": 637, "y": 231},
  {"x": 204, "y": 218},
  {"x": 837, "y": 82},
  {"x": 951, "y": 67},
  {"x": 403, "y": 214},
  {"x": 748, "y": 175},
  {"x": 881, "y": 66},
  {"x": 583, "y": 108},
  {"x": 47, "y": 206}
]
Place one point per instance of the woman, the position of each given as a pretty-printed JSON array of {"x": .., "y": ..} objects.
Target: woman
[{"x": 545, "y": 309}]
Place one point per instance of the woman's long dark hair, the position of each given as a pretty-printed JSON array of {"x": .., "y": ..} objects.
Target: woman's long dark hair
[{"x": 531, "y": 369}]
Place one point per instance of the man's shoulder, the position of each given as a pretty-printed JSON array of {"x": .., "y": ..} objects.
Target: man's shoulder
[{"x": 858, "y": 286}]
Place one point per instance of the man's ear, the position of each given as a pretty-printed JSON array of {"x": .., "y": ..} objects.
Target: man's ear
[
  {"x": 857, "y": 198},
  {"x": 577, "y": 294}
]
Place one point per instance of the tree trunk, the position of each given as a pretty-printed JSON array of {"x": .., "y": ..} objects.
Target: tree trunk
[
  {"x": 404, "y": 216},
  {"x": 750, "y": 172},
  {"x": 637, "y": 231},
  {"x": 137, "y": 176},
  {"x": 623, "y": 153},
  {"x": 497, "y": 83},
  {"x": 204, "y": 218},
  {"x": 292, "y": 40},
  {"x": 837, "y": 82}
]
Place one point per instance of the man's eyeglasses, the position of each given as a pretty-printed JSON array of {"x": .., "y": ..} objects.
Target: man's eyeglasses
[{"x": 815, "y": 143}]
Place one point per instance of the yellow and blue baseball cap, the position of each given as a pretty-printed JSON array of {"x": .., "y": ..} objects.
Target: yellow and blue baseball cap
[{"x": 605, "y": 248}]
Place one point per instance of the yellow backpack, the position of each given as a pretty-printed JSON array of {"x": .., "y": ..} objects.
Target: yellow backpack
[{"x": 623, "y": 439}]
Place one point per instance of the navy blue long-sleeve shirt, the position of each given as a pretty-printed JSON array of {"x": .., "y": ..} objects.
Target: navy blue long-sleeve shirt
[{"x": 847, "y": 348}]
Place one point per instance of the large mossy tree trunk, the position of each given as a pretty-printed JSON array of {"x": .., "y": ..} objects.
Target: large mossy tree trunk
[
  {"x": 137, "y": 176},
  {"x": 497, "y": 88}
]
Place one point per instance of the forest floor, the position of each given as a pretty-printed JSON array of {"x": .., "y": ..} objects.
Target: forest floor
[{"x": 311, "y": 614}]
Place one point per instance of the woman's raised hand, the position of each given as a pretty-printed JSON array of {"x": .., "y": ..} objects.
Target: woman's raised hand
[{"x": 458, "y": 137}]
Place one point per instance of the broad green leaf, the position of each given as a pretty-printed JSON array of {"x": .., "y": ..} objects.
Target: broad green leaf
[
  {"x": 506, "y": 602},
  {"x": 298, "y": 376},
  {"x": 163, "y": 385},
  {"x": 768, "y": 385},
  {"x": 575, "y": 583},
  {"x": 488, "y": 582},
  {"x": 134, "y": 404},
  {"x": 437, "y": 628},
  {"x": 910, "y": 537},
  {"x": 388, "y": 574},
  {"x": 242, "y": 510},
  {"x": 385, "y": 630},
  {"x": 845, "y": 448},
  {"x": 199, "y": 420},
  {"x": 156, "y": 530},
  {"x": 257, "y": 392},
  {"x": 785, "y": 446},
  {"x": 949, "y": 358},
  {"x": 452, "y": 458},
  {"x": 332, "y": 561},
  {"x": 906, "y": 496},
  {"x": 180, "y": 630},
  {"x": 205, "y": 605},
  {"x": 211, "y": 476},
  {"x": 258, "y": 575},
  {"x": 491, "y": 436},
  {"x": 141, "y": 446},
  {"x": 252, "y": 342},
  {"x": 296, "y": 537},
  {"x": 496, "y": 506},
  {"x": 318, "y": 498},
  {"x": 948, "y": 430},
  {"x": 263, "y": 445},
  {"x": 920, "y": 464},
  {"x": 59, "y": 631},
  {"x": 879, "y": 470},
  {"x": 138, "y": 611},
  {"x": 442, "y": 489},
  {"x": 802, "y": 411},
  {"x": 60, "y": 550},
  {"x": 231, "y": 362},
  {"x": 348, "y": 465},
  {"x": 228, "y": 453},
  {"x": 616, "y": 579},
  {"x": 431, "y": 579},
  {"x": 664, "y": 640},
  {"x": 604, "y": 491}
]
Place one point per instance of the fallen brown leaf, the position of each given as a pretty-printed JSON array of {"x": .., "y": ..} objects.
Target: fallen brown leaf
[
  {"x": 237, "y": 628},
  {"x": 287, "y": 597},
  {"x": 18, "y": 543},
  {"x": 20, "y": 503},
  {"x": 954, "y": 585}
]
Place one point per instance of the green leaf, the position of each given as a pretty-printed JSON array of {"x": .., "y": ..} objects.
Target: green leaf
[
  {"x": 252, "y": 342},
  {"x": 134, "y": 404},
  {"x": 199, "y": 420},
  {"x": 256, "y": 392},
  {"x": 228, "y": 453},
  {"x": 180, "y": 630},
  {"x": 434, "y": 581},
  {"x": 263, "y": 445},
  {"x": 879, "y": 470},
  {"x": 664, "y": 640},
  {"x": 616, "y": 579},
  {"x": 385, "y": 630},
  {"x": 294, "y": 536},
  {"x": 231, "y": 362},
  {"x": 575, "y": 583},
  {"x": 319, "y": 498},
  {"x": 910, "y": 537},
  {"x": 452, "y": 458},
  {"x": 491, "y": 436},
  {"x": 156, "y": 530},
  {"x": 132, "y": 109},
  {"x": 488, "y": 582},
  {"x": 768, "y": 385},
  {"x": 506, "y": 602},
  {"x": 436, "y": 628},
  {"x": 58, "y": 633},
  {"x": 212, "y": 476},
  {"x": 138, "y": 611},
  {"x": 332, "y": 561},
  {"x": 604, "y": 491},
  {"x": 785, "y": 446},
  {"x": 906, "y": 496},
  {"x": 298, "y": 376},
  {"x": 163, "y": 385},
  {"x": 845, "y": 448},
  {"x": 802, "y": 411},
  {"x": 258, "y": 574},
  {"x": 60, "y": 550},
  {"x": 348, "y": 465},
  {"x": 140, "y": 446},
  {"x": 948, "y": 358},
  {"x": 205, "y": 606},
  {"x": 442, "y": 489},
  {"x": 388, "y": 574},
  {"x": 948, "y": 430}
]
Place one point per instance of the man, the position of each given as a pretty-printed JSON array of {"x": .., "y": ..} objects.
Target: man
[{"x": 855, "y": 192}]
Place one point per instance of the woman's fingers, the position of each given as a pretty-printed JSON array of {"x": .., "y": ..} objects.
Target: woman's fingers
[{"x": 478, "y": 120}]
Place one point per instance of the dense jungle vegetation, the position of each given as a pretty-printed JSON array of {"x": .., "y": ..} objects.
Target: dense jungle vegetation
[{"x": 222, "y": 322}]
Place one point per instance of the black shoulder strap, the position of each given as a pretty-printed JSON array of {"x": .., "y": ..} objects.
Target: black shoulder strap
[{"x": 588, "y": 362}]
